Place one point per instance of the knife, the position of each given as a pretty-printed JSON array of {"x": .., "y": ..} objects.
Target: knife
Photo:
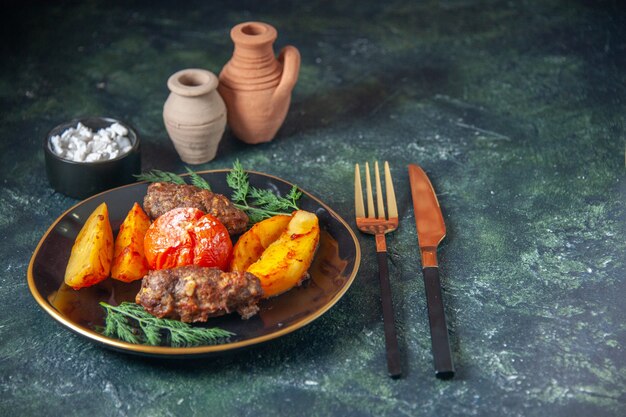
[{"x": 431, "y": 230}]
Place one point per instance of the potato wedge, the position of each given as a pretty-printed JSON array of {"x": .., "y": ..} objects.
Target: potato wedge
[
  {"x": 251, "y": 244},
  {"x": 92, "y": 253},
  {"x": 129, "y": 259},
  {"x": 285, "y": 262}
]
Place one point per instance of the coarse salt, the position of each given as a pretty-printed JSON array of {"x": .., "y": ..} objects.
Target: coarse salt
[{"x": 82, "y": 144}]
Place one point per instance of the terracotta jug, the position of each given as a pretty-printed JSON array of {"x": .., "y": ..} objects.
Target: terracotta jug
[
  {"x": 255, "y": 85},
  {"x": 194, "y": 115}
]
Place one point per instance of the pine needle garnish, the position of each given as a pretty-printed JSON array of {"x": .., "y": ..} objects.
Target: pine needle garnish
[
  {"x": 197, "y": 180},
  {"x": 259, "y": 203},
  {"x": 131, "y": 323},
  {"x": 156, "y": 175}
]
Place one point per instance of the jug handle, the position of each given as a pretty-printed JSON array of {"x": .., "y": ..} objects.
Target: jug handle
[{"x": 289, "y": 58}]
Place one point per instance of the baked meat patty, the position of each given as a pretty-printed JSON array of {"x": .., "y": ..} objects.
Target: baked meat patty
[
  {"x": 163, "y": 197},
  {"x": 193, "y": 293}
]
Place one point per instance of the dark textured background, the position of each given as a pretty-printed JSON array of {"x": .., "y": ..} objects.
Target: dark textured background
[{"x": 515, "y": 109}]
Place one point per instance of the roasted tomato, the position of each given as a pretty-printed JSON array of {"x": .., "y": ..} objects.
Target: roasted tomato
[{"x": 187, "y": 236}]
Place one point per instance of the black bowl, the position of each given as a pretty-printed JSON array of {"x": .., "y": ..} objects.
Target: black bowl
[{"x": 84, "y": 179}]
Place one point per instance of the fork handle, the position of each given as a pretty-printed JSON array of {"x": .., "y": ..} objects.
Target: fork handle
[
  {"x": 444, "y": 368},
  {"x": 391, "y": 339}
]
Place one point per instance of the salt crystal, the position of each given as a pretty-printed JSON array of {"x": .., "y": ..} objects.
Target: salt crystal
[
  {"x": 79, "y": 155},
  {"x": 104, "y": 134},
  {"x": 56, "y": 145},
  {"x": 98, "y": 145},
  {"x": 84, "y": 136},
  {"x": 119, "y": 129},
  {"x": 92, "y": 157},
  {"x": 123, "y": 142},
  {"x": 67, "y": 133}
]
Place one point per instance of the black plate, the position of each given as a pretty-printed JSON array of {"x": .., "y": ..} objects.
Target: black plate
[{"x": 332, "y": 272}]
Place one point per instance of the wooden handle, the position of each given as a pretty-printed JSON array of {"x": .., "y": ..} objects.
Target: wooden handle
[
  {"x": 444, "y": 368},
  {"x": 391, "y": 340}
]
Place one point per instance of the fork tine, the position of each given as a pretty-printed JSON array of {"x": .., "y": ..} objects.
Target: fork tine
[
  {"x": 379, "y": 192},
  {"x": 392, "y": 206},
  {"x": 370, "y": 199},
  {"x": 359, "y": 208}
]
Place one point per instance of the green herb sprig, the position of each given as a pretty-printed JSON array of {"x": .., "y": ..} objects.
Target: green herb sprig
[
  {"x": 157, "y": 175},
  {"x": 131, "y": 323},
  {"x": 259, "y": 203},
  {"x": 197, "y": 180}
]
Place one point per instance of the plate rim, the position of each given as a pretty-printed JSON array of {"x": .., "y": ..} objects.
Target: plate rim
[{"x": 192, "y": 350}]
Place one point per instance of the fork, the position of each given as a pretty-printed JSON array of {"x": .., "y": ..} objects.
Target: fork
[{"x": 379, "y": 226}]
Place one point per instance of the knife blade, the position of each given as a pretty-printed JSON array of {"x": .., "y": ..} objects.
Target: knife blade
[{"x": 431, "y": 230}]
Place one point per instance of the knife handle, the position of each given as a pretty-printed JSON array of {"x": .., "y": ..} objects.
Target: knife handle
[
  {"x": 391, "y": 339},
  {"x": 444, "y": 368}
]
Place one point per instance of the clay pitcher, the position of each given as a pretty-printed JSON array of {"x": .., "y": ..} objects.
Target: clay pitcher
[
  {"x": 194, "y": 115},
  {"x": 256, "y": 86}
]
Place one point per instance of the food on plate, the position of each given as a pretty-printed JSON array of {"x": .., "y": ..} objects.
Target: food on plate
[
  {"x": 285, "y": 262},
  {"x": 129, "y": 259},
  {"x": 251, "y": 244},
  {"x": 193, "y": 293},
  {"x": 163, "y": 197},
  {"x": 92, "y": 253},
  {"x": 187, "y": 236},
  {"x": 185, "y": 259}
]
